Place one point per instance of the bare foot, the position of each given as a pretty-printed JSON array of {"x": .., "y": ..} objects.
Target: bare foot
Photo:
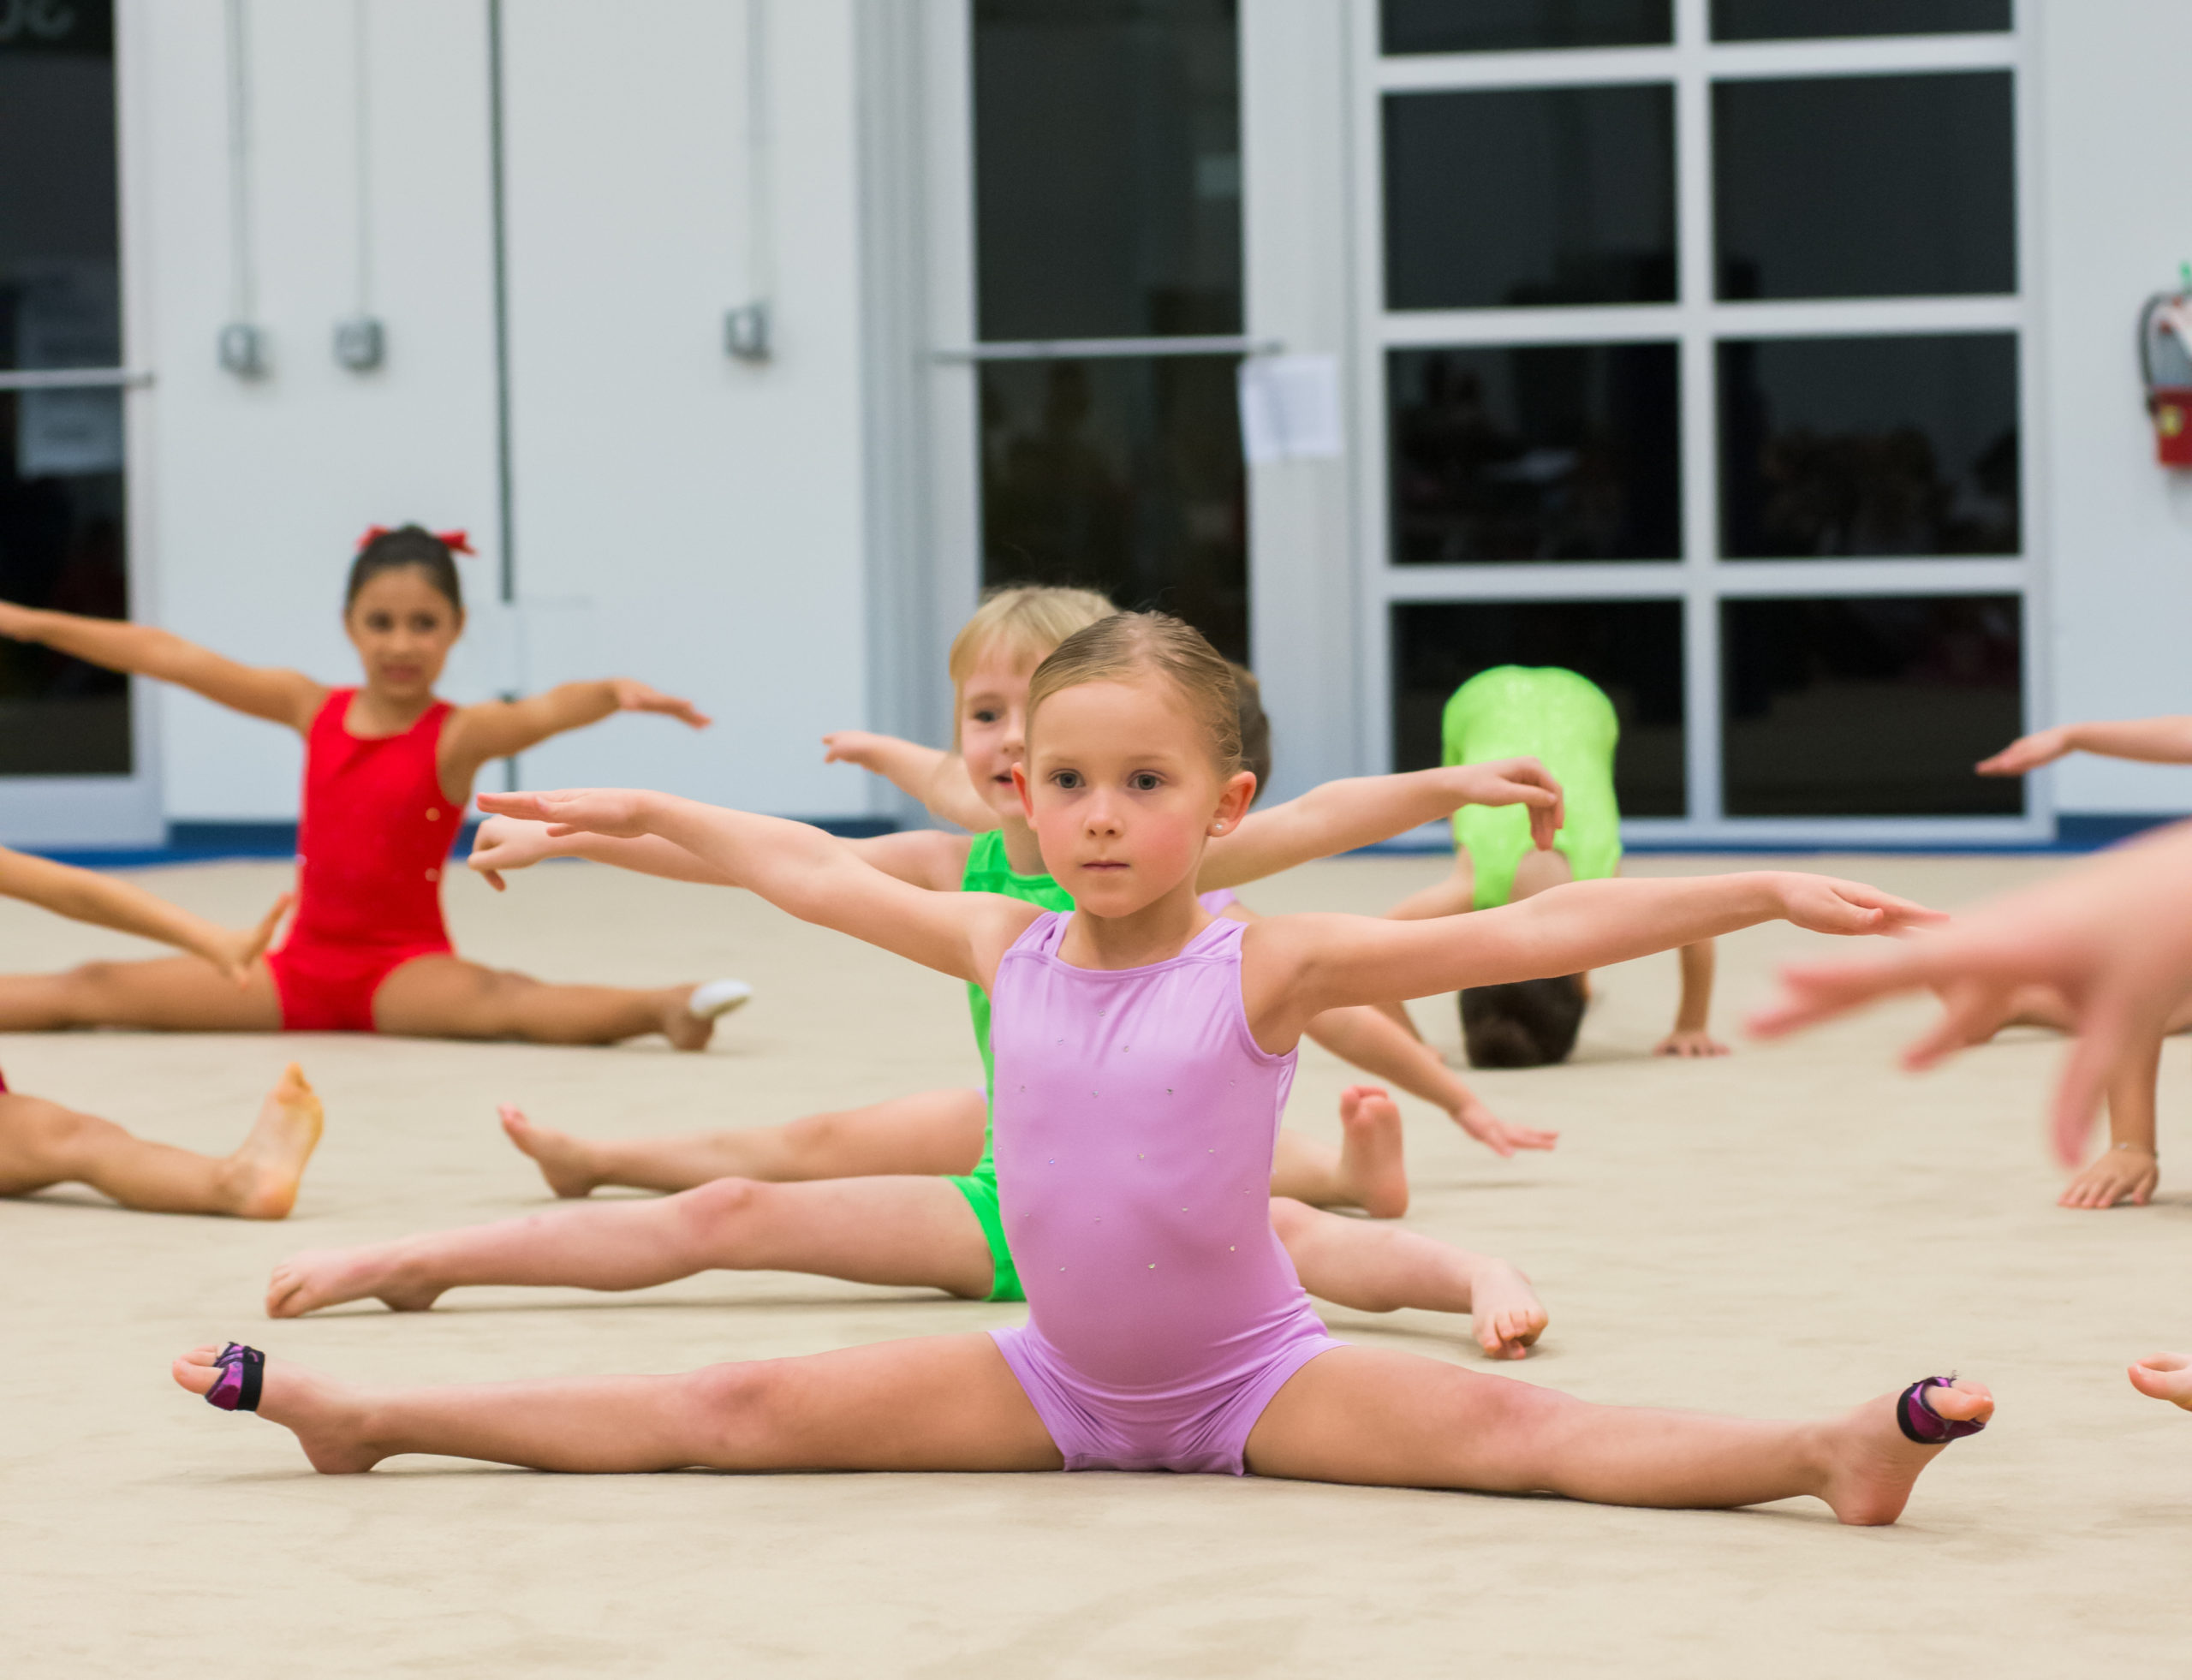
[
  {"x": 317, "y": 1278},
  {"x": 1372, "y": 1172},
  {"x": 261, "y": 1177},
  {"x": 2166, "y": 1377},
  {"x": 1505, "y": 1310},
  {"x": 562, "y": 1159},
  {"x": 1872, "y": 1464},
  {"x": 328, "y": 1419},
  {"x": 690, "y": 1020}
]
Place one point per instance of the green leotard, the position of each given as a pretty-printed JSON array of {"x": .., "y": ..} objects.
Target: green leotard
[
  {"x": 1566, "y": 723},
  {"x": 987, "y": 871}
]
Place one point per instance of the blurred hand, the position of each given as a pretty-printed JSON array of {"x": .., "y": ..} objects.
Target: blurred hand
[
  {"x": 1689, "y": 1042},
  {"x": 1517, "y": 781},
  {"x": 852, "y": 747},
  {"x": 15, "y": 622},
  {"x": 1826, "y": 905},
  {"x": 2027, "y": 753},
  {"x": 1498, "y": 1135},
  {"x": 2120, "y": 1174},
  {"x": 506, "y": 842},
  {"x": 237, "y": 954},
  {"x": 618, "y": 811},
  {"x": 635, "y": 696}
]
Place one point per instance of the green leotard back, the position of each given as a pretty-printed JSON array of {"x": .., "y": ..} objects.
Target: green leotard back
[
  {"x": 1566, "y": 723},
  {"x": 988, "y": 871}
]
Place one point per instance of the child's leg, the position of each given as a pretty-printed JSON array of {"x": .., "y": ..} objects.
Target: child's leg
[
  {"x": 1367, "y": 1171},
  {"x": 1380, "y": 1269},
  {"x": 865, "y": 1231},
  {"x": 174, "y": 994},
  {"x": 938, "y": 1402},
  {"x": 448, "y": 998},
  {"x": 2166, "y": 1377},
  {"x": 1359, "y": 1415},
  {"x": 42, "y": 1143},
  {"x": 935, "y": 1132}
]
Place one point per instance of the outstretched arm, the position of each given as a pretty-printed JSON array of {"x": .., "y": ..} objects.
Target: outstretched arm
[
  {"x": 1362, "y": 810},
  {"x": 82, "y": 896},
  {"x": 801, "y": 870},
  {"x": 2151, "y": 740},
  {"x": 498, "y": 729},
  {"x": 2113, "y": 935},
  {"x": 922, "y": 856},
  {"x": 936, "y": 778},
  {"x": 1308, "y": 963},
  {"x": 279, "y": 696}
]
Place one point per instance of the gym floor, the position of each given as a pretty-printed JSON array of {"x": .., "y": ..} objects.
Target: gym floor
[{"x": 1786, "y": 1232}]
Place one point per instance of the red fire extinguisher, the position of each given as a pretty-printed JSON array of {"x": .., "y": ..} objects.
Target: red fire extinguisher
[{"x": 2165, "y": 364}]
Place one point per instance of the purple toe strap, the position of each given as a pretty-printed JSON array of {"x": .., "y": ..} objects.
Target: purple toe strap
[
  {"x": 242, "y": 1370},
  {"x": 1925, "y": 1425}
]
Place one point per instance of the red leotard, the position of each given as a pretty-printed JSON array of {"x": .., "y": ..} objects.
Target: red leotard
[{"x": 376, "y": 835}]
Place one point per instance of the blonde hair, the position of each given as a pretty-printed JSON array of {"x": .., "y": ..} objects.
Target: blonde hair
[
  {"x": 1128, "y": 645},
  {"x": 1025, "y": 618}
]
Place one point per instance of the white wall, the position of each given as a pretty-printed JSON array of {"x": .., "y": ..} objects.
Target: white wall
[
  {"x": 2117, "y": 221},
  {"x": 678, "y": 516}
]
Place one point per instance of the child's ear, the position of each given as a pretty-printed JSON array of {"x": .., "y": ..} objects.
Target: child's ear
[
  {"x": 1233, "y": 801},
  {"x": 1020, "y": 786}
]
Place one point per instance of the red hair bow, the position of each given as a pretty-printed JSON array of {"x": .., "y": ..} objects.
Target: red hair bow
[{"x": 456, "y": 542}]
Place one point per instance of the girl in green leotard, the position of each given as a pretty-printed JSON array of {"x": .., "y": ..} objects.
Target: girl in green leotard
[{"x": 1566, "y": 722}]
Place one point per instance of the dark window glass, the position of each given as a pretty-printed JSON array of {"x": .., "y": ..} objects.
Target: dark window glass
[
  {"x": 1871, "y": 707},
  {"x": 1511, "y": 25},
  {"x": 1121, "y": 475},
  {"x": 61, "y": 451},
  {"x": 1536, "y": 452},
  {"x": 1520, "y": 196},
  {"x": 1631, "y": 649},
  {"x": 1794, "y": 20},
  {"x": 1107, "y": 168},
  {"x": 1888, "y": 446},
  {"x": 1865, "y": 186}
]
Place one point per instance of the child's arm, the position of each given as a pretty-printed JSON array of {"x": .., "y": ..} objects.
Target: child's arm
[
  {"x": 1362, "y": 1036},
  {"x": 801, "y": 870},
  {"x": 279, "y": 696},
  {"x": 2152, "y": 740},
  {"x": 1307, "y": 964},
  {"x": 925, "y": 857},
  {"x": 936, "y": 778},
  {"x": 1362, "y": 810},
  {"x": 82, "y": 896},
  {"x": 2128, "y": 1168},
  {"x": 498, "y": 729},
  {"x": 1693, "y": 1034}
]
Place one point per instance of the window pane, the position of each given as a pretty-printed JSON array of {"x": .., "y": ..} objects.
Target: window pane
[
  {"x": 1885, "y": 446},
  {"x": 61, "y": 451},
  {"x": 1865, "y": 186},
  {"x": 1107, "y": 168},
  {"x": 1508, "y": 26},
  {"x": 1793, "y": 20},
  {"x": 1123, "y": 476},
  {"x": 1871, "y": 707},
  {"x": 1631, "y": 649},
  {"x": 1536, "y": 452},
  {"x": 1529, "y": 196}
]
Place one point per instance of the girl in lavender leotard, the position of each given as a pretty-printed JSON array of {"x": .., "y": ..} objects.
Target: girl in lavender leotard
[{"x": 1142, "y": 1050}]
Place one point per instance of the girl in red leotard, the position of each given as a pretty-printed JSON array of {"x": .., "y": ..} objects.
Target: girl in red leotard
[{"x": 388, "y": 771}]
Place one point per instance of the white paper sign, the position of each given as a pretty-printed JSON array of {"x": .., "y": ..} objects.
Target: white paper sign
[
  {"x": 1290, "y": 408},
  {"x": 67, "y": 315}
]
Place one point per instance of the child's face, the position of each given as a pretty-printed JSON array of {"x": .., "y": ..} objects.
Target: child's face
[
  {"x": 1122, "y": 794},
  {"x": 993, "y": 726},
  {"x": 403, "y": 629}
]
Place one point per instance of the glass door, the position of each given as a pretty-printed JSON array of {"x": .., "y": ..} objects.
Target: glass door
[
  {"x": 72, "y": 757},
  {"x": 1693, "y": 361}
]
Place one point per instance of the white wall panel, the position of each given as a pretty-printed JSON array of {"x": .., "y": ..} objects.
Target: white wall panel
[{"x": 2117, "y": 225}]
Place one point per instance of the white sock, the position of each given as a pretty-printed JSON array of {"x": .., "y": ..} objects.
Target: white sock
[{"x": 717, "y": 996}]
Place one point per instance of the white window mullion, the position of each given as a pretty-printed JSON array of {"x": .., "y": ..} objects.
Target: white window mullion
[{"x": 1701, "y": 465}]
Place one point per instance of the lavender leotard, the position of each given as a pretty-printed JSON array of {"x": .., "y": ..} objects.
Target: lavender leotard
[{"x": 1136, "y": 1116}]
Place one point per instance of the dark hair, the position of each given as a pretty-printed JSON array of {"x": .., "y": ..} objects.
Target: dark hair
[
  {"x": 1523, "y": 1024},
  {"x": 1255, "y": 727},
  {"x": 406, "y": 545}
]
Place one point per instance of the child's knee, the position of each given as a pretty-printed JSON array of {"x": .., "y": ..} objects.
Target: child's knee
[
  {"x": 47, "y": 1143},
  {"x": 742, "y": 1409},
  {"x": 720, "y": 1204}
]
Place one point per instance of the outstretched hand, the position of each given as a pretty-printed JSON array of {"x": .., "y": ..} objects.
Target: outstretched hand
[
  {"x": 15, "y": 621},
  {"x": 2113, "y": 937},
  {"x": 1826, "y": 905},
  {"x": 1501, "y": 1137},
  {"x": 238, "y": 952},
  {"x": 633, "y": 695},
  {"x": 503, "y": 843},
  {"x": 855, "y": 747},
  {"x": 1519, "y": 782},
  {"x": 2027, "y": 753},
  {"x": 618, "y": 811}
]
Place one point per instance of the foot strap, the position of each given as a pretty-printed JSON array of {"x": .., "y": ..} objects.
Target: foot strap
[
  {"x": 1925, "y": 1425},
  {"x": 242, "y": 1371}
]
